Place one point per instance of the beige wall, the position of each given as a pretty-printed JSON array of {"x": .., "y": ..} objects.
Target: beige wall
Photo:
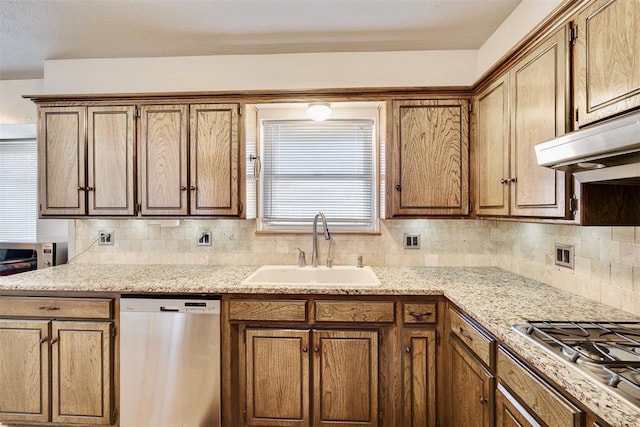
[
  {"x": 607, "y": 259},
  {"x": 13, "y": 108}
]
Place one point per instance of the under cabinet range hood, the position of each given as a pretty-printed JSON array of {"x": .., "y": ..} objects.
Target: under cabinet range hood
[{"x": 608, "y": 152}]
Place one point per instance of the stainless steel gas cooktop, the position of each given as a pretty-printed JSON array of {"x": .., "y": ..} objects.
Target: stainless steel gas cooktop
[{"x": 606, "y": 352}]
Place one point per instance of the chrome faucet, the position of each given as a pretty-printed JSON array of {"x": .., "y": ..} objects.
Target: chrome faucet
[{"x": 327, "y": 236}]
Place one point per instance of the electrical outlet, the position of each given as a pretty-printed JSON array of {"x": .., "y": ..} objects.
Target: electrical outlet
[
  {"x": 564, "y": 255},
  {"x": 411, "y": 241},
  {"x": 204, "y": 239},
  {"x": 105, "y": 237}
]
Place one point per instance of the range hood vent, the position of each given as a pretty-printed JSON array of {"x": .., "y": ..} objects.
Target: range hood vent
[{"x": 608, "y": 152}]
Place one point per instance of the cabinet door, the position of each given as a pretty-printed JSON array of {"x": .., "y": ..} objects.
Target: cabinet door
[
  {"x": 61, "y": 154},
  {"x": 419, "y": 378},
  {"x": 430, "y": 158},
  {"x": 110, "y": 136},
  {"x": 214, "y": 159},
  {"x": 277, "y": 377},
  {"x": 345, "y": 376},
  {"x": 539, "y": 93},
  {"x": 492, "y": 120},
  {"x": 509, "y": 413},
  {"x": 81, "y": 373},
  {"x": 471, "y": 388},
  {"x": 607, "y": 59},
  {"x": 24, "y": 370},
  {"x": 163, "y": 163}
]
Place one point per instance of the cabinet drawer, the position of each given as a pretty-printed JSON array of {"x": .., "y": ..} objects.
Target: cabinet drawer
[
  {"x": 419, "y": 313},
  {"x": 546, "y": 403},
  {"x": 283, "y": 310},
  {"x": 59, "y": 308},
  {"x": 481, "y": 345},
  {"x": 354, "y": 311}
]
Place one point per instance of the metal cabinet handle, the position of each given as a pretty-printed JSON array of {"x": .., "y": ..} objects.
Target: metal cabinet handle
[
  {"x": 483, "y": 400},
  {"x": 316, "y": 349},
  {"x": 89, "y": 188},
  {"x": 512, "y": 180},
  {"x": 305, "y": 349},
  {"x": 398, "y": 187},
  {"x": 504, "y": 181},
  {"x": 44, "y": 340},
  {"x": 407, "y": 349},
  {"x": 419, "y": 315},
  {"x": 80, "y": 188},
  {"x": 193, "y": 188},
  {"x": 54, "y": 340},
  {"x": 49, "y": 308},
  {"x": 183, "y": 188},
  {"x": 467, "y": 336}
]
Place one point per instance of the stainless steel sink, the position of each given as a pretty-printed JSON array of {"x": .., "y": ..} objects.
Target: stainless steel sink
[{"x": 317, "y": 276}]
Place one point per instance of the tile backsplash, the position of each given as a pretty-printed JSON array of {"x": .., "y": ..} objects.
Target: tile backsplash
[{"x": 607, "y": 259}]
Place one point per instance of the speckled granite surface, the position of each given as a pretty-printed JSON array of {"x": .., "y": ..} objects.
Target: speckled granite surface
[{"x": 495, "y": 298}]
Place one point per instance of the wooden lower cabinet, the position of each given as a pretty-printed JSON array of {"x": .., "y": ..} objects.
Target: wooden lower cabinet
[
  {"x": 471, "y": 388},
  {"x": 509, "y": 413},
  {"x": 278, "y": 381},
  {"x": 419, "y": 377},
  {"x": 56, "y": 371}
]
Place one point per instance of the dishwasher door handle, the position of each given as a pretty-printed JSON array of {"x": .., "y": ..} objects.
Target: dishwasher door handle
[{"x": 170, "y": 309}]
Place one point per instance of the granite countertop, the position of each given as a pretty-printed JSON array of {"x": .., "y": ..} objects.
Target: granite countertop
[{"x": 495, "y": 298}]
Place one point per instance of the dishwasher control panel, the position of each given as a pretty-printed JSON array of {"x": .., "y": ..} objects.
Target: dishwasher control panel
[{"x": 192, "y": 306}]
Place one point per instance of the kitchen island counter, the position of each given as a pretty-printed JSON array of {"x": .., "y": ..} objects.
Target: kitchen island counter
[{"x": 494, "y": 297}]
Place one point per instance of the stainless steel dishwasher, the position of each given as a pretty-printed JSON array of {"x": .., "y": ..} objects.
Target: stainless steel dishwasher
[{"x": 169, "y": 362}]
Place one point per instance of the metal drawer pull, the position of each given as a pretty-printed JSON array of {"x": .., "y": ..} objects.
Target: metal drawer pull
[
  {"x": 48, "y": 308},
  {"x": 407, "y": 349},
  {"x": 54, "y": 340},
  {"x": 305, "y": 349},
  {"x": 483, "y": 400},
  {"x": 44, "y": 340},
  {"x": 425, "y": 314},
  {"x": 469, "y": 337}
]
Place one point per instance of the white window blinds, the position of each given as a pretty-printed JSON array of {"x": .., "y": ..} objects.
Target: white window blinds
[
  {"x": 18, "y": 190},
  {"x": 311, "y": 167}
]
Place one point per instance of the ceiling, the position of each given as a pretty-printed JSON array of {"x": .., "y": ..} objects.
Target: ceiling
[{"x": 32, "y": 31}]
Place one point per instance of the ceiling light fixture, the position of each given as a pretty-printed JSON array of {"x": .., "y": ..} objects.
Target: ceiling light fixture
[{"x": 319, "y": 111}]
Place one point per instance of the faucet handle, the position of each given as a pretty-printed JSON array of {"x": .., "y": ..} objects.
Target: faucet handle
[{"x": 302, "y": 260}]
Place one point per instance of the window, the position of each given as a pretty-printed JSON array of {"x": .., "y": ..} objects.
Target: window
[
  {"x": 18, "y": 190},
  {"x": 310, "y": 167}
]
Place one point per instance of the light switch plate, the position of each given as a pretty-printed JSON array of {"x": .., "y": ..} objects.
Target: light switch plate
[{"x": 411, "y": 241}]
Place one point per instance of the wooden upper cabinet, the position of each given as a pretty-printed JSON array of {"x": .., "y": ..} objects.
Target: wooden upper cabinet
[
  {"x": 163, "y": 162},
  {"x": 429, "y": 158},
  {"x": 214, "y": 147},
  {"x": 345, "y": 377},
  {"x": 24, "y": 370},
  {"x": 111, "y": 138},
  {"x": 539, "y": 94},
  {"x": 492, "y": 128},
  {"x": 61, "y": 153},
  {"x": 607, "y": 59},
  {"x": 82, "y": 378},
  {"x": 527, "y": 105}
]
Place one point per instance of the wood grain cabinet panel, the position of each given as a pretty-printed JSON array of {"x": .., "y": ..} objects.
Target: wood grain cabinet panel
[
  {"x": 82, "y": 378},
  {"x": 481, "y": 345},
  {"x": 214, "y": 147},
  {"x": 61, "y": 165},
  {"x": 509, "y": 413},
  {"x": 607, "y": 60},
  {"x": 345, "y": 378},
  {"x": 492, "y": 129},
  {"x": 471, "y": 389},
  {"x": 268, "y": 310},
  {"x": 163, "y": 163},
  {"x": 527, "y": 105},
  {"x": 24, "y": 370},
  {"x": 354, "y": 311},
  {"x": 277, "y": 372},
  {"x": 61, "y": 308},
  {"x": 419, "y": 313},
  {"x": 111, "y": 138},
  {"x": 547, "y": 404},
  {"x": 429, "y": 167},
  {"x": 419, "y": 378}
]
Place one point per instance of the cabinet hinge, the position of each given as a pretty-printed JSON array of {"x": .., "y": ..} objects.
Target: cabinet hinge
[
  {"x": 470, "y": 106},
  {"x": 470, "y": 207},
  {"x": 577, "y": 114},
  {"x": 114, "y": 414},
  {"x": 239, "y": 110},
  {"x": 137, "y": 112},
  {"x": 138, "y": 208},
  {"x": 240, "y": 207},
  {"x": 380, "y": 338},
  {"x": 437, "y": 337},
  {"x": 114, "y": 331},
  {"x": 437, "y": 423},
  {"x": 573, "y": 35},
  {"x": 573, "y": 204}
]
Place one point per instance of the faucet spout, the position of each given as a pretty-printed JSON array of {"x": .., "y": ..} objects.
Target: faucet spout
[{"x": 327, "y": 236}]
